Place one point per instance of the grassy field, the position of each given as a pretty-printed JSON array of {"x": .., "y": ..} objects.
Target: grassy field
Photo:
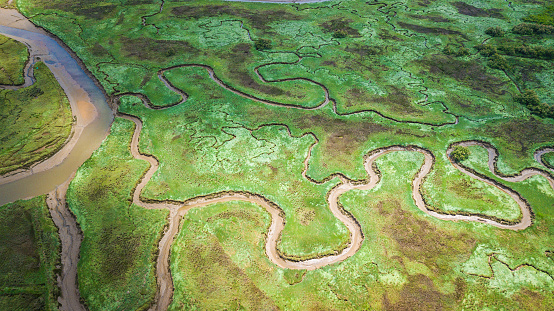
[
  {"x": 29, "y": 248},
  {"x": 36, "y": 121},
  {"x": 14, "y": 57},
  {"x": 117, "y": 257},
  {"x": 424, "y": 73},
  {"x": 221, "y": 240}
]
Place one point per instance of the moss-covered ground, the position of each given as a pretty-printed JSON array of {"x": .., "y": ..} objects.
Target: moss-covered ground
[
  {"x": 423, "y": 73},
  {"x": 29, "y": 248},
  {"x": 36, "y": 121},
  {"x": 14, "y": 57}
]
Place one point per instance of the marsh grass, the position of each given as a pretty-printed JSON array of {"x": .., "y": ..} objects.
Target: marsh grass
[
  {"x": 459, "y": 192},
  {"x": 218, "y": 240},
  {"x": 14, "y": 57},
  {"x": 223, "y": 155},
  {"x": 548, "y": 160},
  {"x": 407, "y": 259},
  {"x": 29, "y": 248}
]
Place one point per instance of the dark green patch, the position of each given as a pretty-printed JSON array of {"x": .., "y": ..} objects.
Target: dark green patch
[
  {"x": 470, "y": 73},
  {"x": 522, "y": 134},
  {"x": 258, "y": 19},
  {"x": 470, "y": 10},
  {"x": 98, "y": 50},
  {"x": 432, "y": 18},
  {"x": 119, "y": 248},
  {"x": 29, "y": 252},
  {"x": 222, "y": 284},
  {"x": 432, "y": 30},
  {"x": 154, "y": 49},
  {"x": 546, "y": 17},
  {"x": 294, "y": 276},
  {"x": 460, "y": 154},
  {"x": 13, "y": 57},
  {"x": 419, "y": 294},
  {"x": 364, "y": 50},
  {"x": 86, "y": 8},
  {"x": 341, "y": 25},
  {"x": 415, "y": 237}
]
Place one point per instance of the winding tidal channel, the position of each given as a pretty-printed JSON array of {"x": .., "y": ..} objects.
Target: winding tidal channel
[
  {"x": 93, "y": 119},
  {"x": 179, "y": 209}
]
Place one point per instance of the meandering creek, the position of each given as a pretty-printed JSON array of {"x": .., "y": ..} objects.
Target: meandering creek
[
  {"x": 178, "y": 210},
  {"x": 93, "y": 119}
]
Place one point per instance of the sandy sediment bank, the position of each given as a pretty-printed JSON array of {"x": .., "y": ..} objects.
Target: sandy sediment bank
[
  {"x": 92, "y": 118},
  {"x": 538, "y": 157}
]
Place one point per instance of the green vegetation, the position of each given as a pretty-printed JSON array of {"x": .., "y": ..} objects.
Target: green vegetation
[
  {"x": 529, "y": 99},
  {"x": 460, "y": 154},
  {"x": 36, "y": 122},
  {"x": 495, "y": 31},
  {"x": 533, "y": 29},
  {"x": 14, "y": 57},
  {"x": 546, "y": 17},
  {"x": 117, "y": 257},
  {"x": 210, "y": 163},
  {"x": 408, "y": 260},
  {"x": 29, "y": 248},
  {"x": 548, "y": 160},
  {"x": 447, "y": 190},
  {"x": 262, "y": 44},
  {"x": 341, "y": 33},
  {"x": 238, "y": 227},
  {"x": 497, "y": 61},
  {"x": 462, "y": 51},
  {"x": 537, "y": 52}
]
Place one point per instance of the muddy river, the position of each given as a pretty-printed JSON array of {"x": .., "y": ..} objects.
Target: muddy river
[{"x": 88, "y": 104}]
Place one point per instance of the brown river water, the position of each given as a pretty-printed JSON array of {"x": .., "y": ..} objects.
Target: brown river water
[
  {"x": 93, "y": 118},
  {"x": 88, "y": 104}
]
